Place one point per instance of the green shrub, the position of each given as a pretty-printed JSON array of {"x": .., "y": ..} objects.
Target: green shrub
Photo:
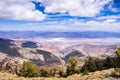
[
  {"x": 116, "y": 73},
  {"x": 109, "y": 62},
  {"x": 73, "y": 65},
  {"x": 61, "y": 72},
  {"x": 89, "y": 64},
  {"x": 46, "y": 71},
  {"x": 92, "y": 64},
  {"x": 43, "y": 72},
  {"x": 52, "y": 71},
  {"x": 27, "y": 69},
  {"x": 99, "y": 63},
  {"x": 118, "y": 52}
]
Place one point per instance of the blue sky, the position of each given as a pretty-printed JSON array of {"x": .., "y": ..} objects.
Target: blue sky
[{"x": 60, "y": 15}]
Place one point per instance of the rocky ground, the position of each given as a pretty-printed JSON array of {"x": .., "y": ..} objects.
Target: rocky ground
[{"x": 98, "y": 75}]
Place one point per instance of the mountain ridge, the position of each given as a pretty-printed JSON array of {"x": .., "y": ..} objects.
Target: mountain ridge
[{"x": 47, "y": 54}]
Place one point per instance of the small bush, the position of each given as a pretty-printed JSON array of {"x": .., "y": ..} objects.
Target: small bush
[
  {"x": 92, "y": 64},
  {"x": 73, "y": 65},
  {"x": 27, "y": 69},
  {"x": 52, "y": 71},
  {"x": 89, "y": 64},
  {"x": 61, "y": 72},
  {"x": 109, "y": 62},
  {"x": 116, "y": 73},
  {"x": 46, "y": 71}
]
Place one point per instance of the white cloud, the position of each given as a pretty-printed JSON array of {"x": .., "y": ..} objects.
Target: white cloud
[
  {"x": 110, "y": 21},
  {"x": 86, "y": 8},
  {"x": 109, "y": 17},
  {"x": 77, "y": 25},
  {"x": 93, "y": 25},
  {"x": 20, "y": 10}
]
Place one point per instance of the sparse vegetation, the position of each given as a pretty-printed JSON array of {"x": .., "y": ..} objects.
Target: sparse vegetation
[
  {"x": 52, "y": 72},
  {"x": 47, "y": 72},
  {"x": 74, "y": 65},
  {"x": 96, "y": 64},
  {"x": 98, "y": 75}
]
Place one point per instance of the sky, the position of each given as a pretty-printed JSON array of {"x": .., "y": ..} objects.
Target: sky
[{"x": 60, "y": 15}]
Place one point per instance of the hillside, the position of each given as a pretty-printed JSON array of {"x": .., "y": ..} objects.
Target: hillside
[
  {"x": 20, "y": 51},
  {"x": 48, "y": 54},
  {"x": 92, "y": 50}
]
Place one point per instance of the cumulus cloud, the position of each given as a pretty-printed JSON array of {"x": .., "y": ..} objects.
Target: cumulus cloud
[
  {"x": 85, "y": 8},
  {"x": 20, "y": 10},
  {"x": 25, "y": 9}
]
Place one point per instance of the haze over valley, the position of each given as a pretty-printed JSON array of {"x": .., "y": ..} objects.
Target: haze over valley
[
  {"x": 64, "y": 44},
  {"x": 64, "y": 39}
]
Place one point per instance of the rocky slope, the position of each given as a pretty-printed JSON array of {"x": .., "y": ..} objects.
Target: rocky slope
[
  {"x": 20, "y": 51},
  {"x": 91, "y": 50},
  {"x": 48, "y": 54}
]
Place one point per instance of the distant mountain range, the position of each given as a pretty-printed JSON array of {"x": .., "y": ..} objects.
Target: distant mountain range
[{"x": 43, "y": 34}]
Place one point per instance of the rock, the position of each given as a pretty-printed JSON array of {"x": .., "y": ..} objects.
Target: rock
[{"x": 10, "y": 65}]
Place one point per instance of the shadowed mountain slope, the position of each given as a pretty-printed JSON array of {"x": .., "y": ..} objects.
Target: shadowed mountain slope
[{"x": 11, "y": 49}]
